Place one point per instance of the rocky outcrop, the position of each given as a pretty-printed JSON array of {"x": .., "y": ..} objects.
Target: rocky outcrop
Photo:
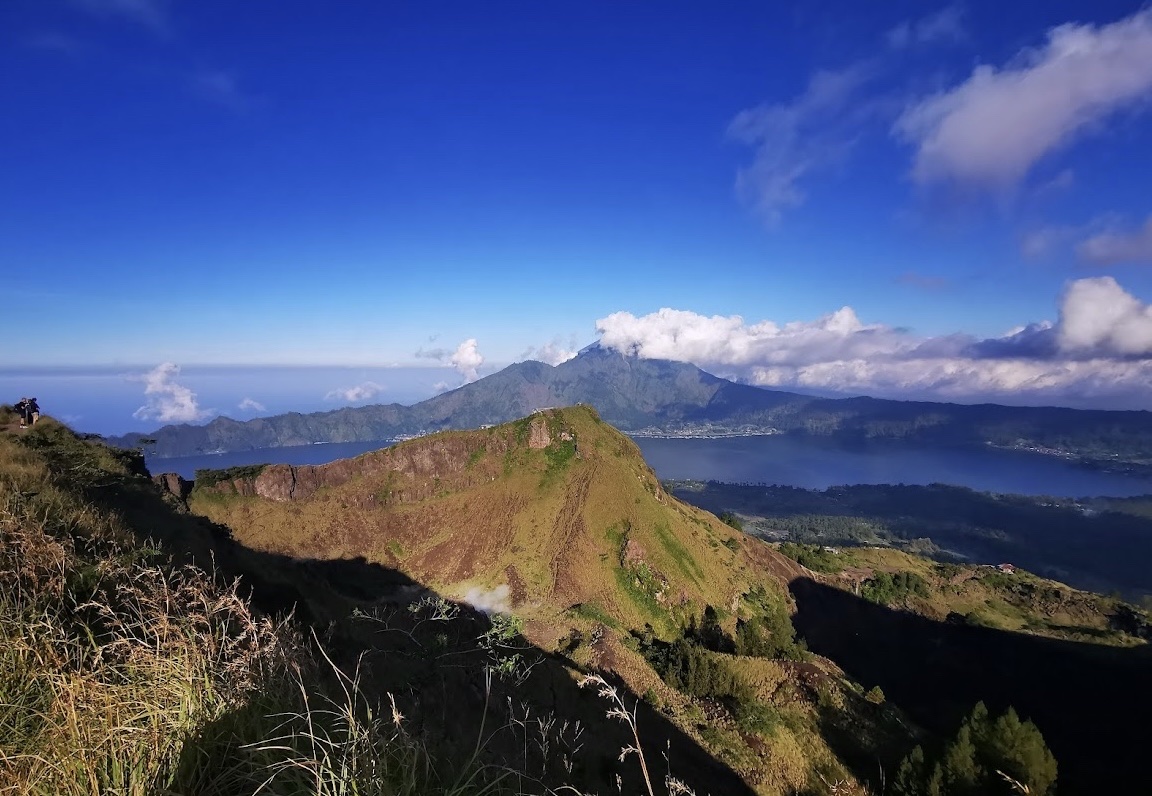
[
  {"x": 419, "y": 469},
  {"x": 538, "y": 435},
  {"x": 173, "y": 484}
]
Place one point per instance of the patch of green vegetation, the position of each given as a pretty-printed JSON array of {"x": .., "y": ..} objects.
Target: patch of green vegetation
[
  {"x": 522, "y": 429},
  {"x": 769, "y": 632},
  {"x": 678, "y": 552},
  {"x": 80, "y": 460},
  {"x": 593, "y": 612},
  {"x": 475, "y": 456},
  {"x": 208, "y": 478},
  {"x": 886, "y": 588},
  {"x": 814, "y": 557},
  {"x": 732, "y": 519},
  {"x": 639, "y": 594},
  {"x": 615, "y": 536},
  {"x": 395, "y": 548},
  {"x": 558, "y": 455}
]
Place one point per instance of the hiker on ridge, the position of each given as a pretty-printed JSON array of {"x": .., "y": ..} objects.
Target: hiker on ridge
[
  {"x": 22, "y": 409},
  {"x": 33, "y": 411}
]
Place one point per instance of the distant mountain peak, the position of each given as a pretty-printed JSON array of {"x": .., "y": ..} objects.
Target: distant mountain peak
[{"x": 599, "y": 349}]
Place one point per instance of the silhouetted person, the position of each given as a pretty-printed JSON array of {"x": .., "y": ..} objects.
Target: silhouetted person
[{"x": 29, "y": 412}]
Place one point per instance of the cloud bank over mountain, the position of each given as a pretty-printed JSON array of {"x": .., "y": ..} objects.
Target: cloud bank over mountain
[{"x": 1097, "y": 353}]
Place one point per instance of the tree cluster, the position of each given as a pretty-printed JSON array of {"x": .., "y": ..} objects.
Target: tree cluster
[
  {"x": 885, "y": 588},
  {"x": 814, "y": 557},
  {"x": 987, "y": 756}
]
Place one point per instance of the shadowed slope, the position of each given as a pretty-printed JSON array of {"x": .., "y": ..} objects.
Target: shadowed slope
[{"x": 1091, "y": 702}]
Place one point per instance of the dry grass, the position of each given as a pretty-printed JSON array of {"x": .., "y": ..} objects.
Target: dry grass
[
  {"x": 124, "y": 674},
  {"x": 111, "y": 659}
]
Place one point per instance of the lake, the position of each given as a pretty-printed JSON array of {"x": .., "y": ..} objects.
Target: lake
[{"x": 791, "y": 461}]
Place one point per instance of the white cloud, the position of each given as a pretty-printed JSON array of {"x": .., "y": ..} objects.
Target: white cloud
[
  {"x": 1099, "y": 383},
  {"x": 729, "y": 341},
  {"x": 1115, "y": 246},
  {"x": 361, "y": 392},
  {"x": 990, "y": 130},
  {"x": 490, "y": 601},
  {"x": 166, "y": 400},
  {"x": 946, "y": 25},
  {"x": 1098, "y": 352},
  {"x": 791, "y": 141},
  {"x": 552, "y": 353},
  {"x": 467, "y": 359},
  {"x": 440, "y": 354},
  {"x": 250, "y": 405},
  {"x": 1100, "y": 317}
]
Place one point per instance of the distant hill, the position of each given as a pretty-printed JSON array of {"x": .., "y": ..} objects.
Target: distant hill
[
  {"x": 663, "y": 397},
  {"x": 1101, "y": 544}
]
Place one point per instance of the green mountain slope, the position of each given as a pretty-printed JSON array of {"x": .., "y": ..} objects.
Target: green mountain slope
[{"x": 559, "y": 509}]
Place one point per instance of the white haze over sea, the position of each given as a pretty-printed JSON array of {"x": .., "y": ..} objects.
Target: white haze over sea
[{"x": 118, "y": 399}]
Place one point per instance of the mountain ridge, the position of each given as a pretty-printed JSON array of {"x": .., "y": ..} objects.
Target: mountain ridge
[
  {"x": 675, "y": 398},
  {"x": 550, "y": 502}
]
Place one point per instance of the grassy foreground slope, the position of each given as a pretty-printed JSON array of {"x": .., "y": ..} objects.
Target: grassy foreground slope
[
  {"x": 118, "y": 668},
  {"x": 124, "y": 671},
  {"x": 127, "y": 667}
]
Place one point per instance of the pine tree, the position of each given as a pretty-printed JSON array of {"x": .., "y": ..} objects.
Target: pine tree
[
  {"x": 960, "y": 772},
  {"x": 911, "y": 775},
  {"x": 971, "y": 763}
]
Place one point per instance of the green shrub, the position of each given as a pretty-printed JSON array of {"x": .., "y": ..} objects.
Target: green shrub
[
  {"x": 814, "y": 557},
  {"x": 885, "y": 588}
]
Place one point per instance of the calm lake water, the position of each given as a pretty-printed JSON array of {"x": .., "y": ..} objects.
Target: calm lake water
[
  {"x": 819, "y": 464},
  {"x": 791, "y": 461}
]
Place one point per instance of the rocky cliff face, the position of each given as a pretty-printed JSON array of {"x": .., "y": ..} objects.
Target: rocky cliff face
[
  {"x": 173, "y": 484},
  {"x": 413, "y": 472}
]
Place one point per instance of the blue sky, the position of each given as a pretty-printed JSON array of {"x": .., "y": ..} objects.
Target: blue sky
[{"x": 375, "y": 185}]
